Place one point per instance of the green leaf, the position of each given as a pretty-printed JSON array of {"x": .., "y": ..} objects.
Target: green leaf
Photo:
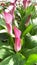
[
  {"x": 4, "y": 36},
  {"x": 34, "y": 30},
  {"x": 30, "y": 10},
  {"x": 6, "y": 61},
  {"x": 27, "y": 52},
  {"x": 6, "y": 45},
  {"x": 2, "y": 23},
  {"x": 32, "y": 60},
  {"x": 30, "y": 41},
  {"x": 15, "y": 59},
  {"x": 29, "y": 45},
  {"x": 5, "y": 50},
  {"x": 1, "y": 9},
  {"x": 30, "y": 51},
  {"x": 28, "y": 29}
]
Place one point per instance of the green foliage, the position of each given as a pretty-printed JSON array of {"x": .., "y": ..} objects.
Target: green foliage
[
  {"x": 32, "y": 59},
  {"x": 2, "y": 23},
  {"x": 28, "y": 54},
  {"x": 15, "y": 59}
]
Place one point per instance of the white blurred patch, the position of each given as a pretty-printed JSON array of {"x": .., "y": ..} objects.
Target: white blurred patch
[
  {"x": 34, "y": 37},
  {"x": 11, "y": 1},
  {"x": 35, "y": 21},
  {"x": 36, "y": 9},
  {"x": 11, "y": 62},
  {"x": 3, "y": 31},
  {"x": 16, "y": 23},
  {"x": 33, "y": 1},
  {"x": 1, "y": 16},
  {"x": 9, "y": 8}
]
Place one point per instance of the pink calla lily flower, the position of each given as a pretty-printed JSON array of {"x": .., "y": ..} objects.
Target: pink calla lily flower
[
  {"x": 7, "y": 17},
  {"x": 17, "y": 45},
  {"x": 10, "y": 9},
  {"x": 9, "y": 28},
  {"x": 26, "y": 3},
  {"x": 12, "y": 12},
  {"x": 8, "y": 20}
]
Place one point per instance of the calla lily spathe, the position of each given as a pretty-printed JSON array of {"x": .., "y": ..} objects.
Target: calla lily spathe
[
  {"x": 26, "y": 3},
  {"x": 17, "y": 32},
  {"x": 17, "y": 45},
  {"x": 8, "y": 20}
]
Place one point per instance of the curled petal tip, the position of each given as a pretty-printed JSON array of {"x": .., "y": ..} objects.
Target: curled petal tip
[{"x": 7, "y": 17}]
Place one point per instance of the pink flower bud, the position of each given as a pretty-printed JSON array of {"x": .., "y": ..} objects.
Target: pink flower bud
[
  {"x": 17, "y": 45},
  {"x": 26, "y": 3}
]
